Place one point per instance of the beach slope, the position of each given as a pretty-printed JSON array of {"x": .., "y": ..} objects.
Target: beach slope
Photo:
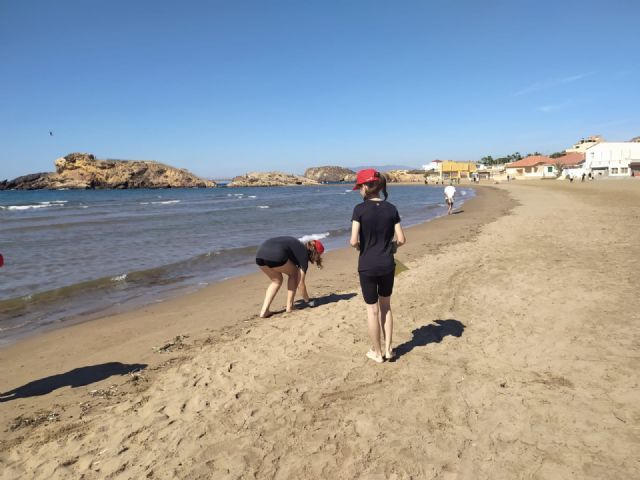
[{"x": 517, "y": 340}]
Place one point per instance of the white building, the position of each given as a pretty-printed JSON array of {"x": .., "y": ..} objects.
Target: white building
[
  {"x": 612, "y": 158},
  {"x": 434, "y": 165}
]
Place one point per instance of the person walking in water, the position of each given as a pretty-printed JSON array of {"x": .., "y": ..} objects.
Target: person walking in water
[
  {"x": 373, "y": 225},
  {"x": 449, "y": 195},
  {"x": 288, "y": 256}
]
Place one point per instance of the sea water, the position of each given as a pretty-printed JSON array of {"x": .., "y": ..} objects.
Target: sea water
[{"x": 73, "y": 255}]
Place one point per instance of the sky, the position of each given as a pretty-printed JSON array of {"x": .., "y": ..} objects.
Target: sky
[{"x": 226, "y": 87}]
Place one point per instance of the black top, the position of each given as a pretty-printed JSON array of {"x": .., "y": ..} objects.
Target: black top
[
  {"x": 281, "y": 249},
  {"x": 377, "y": 225}
]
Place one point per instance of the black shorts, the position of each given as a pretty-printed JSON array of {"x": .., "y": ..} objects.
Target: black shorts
[
  {"x": 261, "y": 262},
  {"x": 374, "y": 286}
]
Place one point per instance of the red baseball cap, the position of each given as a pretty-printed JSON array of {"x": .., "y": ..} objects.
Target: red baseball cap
[
  {"x": 319, "y": 246},
  {"x": 366, "y": 176}
]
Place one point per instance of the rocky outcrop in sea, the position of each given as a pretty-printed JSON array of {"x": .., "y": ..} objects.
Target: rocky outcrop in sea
[
  {"x": 84, "y": 171},
  {"x": 269, "y": 179},
  {"x": 330, "y": 174}
]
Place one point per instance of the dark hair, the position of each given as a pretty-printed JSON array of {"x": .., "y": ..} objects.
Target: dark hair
[
  {"x": 314, "y": 255},
  {"x": 376, "y": 186}
]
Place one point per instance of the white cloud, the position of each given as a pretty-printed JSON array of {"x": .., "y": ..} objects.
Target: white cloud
[{"x": 535, "y": 87}]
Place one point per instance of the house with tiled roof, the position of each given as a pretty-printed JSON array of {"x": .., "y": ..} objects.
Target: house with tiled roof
[
  {"x": 572, "y": 164},
  {"x": 532, "y": 167}
]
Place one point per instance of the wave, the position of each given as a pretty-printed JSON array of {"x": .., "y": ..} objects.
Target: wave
[
  {"x": 263, "y": 206},
  {"x": 163, "y": 202},
  {"x": 25, "y": 207},
  {"x": 313, "y": 236}
]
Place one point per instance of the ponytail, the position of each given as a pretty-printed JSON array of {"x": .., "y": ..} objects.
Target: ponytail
[
  {"x": 314, "y": 256},
  {"x": 376, "y": 186}
]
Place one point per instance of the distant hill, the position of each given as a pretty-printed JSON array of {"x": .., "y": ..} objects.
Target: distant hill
[{"x": 383, "y": 168}]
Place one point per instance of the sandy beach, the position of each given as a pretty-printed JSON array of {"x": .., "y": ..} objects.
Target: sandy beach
[{"x": 517, "y": 329}]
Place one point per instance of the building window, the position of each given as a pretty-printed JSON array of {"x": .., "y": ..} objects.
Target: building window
[
  {"x": 624, "y": 170},
  {"x": 549, "y": 169},
  {"x": 614, "y": 170},
  {"x": 527, "y": 169}
]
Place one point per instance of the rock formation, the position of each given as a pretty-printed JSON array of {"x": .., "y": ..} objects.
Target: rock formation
[
  {"x": 330, "y": 174},
  {"x": 269, "y": 179},
  {"x": 83, "y": 171},
  {"x": 404, "y": 176}
]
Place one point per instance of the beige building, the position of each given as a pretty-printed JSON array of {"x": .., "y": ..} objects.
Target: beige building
[{"x": 585, "y": 143}]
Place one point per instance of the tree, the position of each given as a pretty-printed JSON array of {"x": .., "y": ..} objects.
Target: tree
[
  {"x": 559, "y": 166},
  {"x": 557, "y": 154}
]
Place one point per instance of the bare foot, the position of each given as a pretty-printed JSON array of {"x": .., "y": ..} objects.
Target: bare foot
[
  {"x": 390, "y": 355},
  {"x": 266, "y": 314},
  {"x": 374, "y": 356}
]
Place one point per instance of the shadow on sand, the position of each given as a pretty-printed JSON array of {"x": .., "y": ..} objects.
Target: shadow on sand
[
  {"x": 78, "y": 377},
  {"x": 332, "y": 298},
  {"x": 433, "y": 333}
]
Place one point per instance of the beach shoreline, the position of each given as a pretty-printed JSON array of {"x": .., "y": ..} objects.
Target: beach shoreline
[
  {"x": 512, "y": 362},
  {"x": 190, "y": 239},
  {"x": 131, "y": 335}
]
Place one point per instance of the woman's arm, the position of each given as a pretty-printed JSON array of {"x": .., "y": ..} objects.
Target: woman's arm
[
  {"x": 302, "y": 287},
  {"x": 355, "y": 235},
  {"x": 400, "y": 238}
]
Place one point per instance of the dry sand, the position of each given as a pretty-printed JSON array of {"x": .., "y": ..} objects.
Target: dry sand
[{"x": 518, "y": 334}]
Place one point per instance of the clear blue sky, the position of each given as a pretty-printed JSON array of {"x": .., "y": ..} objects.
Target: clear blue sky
[{"x": 225, "y": 87}]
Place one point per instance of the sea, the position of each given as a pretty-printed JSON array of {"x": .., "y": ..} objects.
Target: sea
[{"x": 75, "y": 255}]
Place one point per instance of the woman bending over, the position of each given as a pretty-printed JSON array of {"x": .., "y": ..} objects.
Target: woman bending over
[{"x": 287, "y": 255}]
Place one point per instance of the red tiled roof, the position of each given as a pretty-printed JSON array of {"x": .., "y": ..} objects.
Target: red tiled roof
[
  {"x": 573, "y": 158},
  {"x": 531, "y": 161}
]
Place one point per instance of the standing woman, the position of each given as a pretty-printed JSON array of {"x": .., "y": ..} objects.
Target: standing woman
[
  {"x": 373, "y": 225},
  {"x": 289, "y": 256}
]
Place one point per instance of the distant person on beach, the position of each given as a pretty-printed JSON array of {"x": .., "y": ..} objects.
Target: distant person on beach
[
  {"x": 373, "y": 225},
  {"x": 449, "y": 196},
  {"x": 289, "y": 256}
]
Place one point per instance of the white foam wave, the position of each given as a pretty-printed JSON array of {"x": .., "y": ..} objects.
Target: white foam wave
[
  {"x": 26, "y": 207},
  {"x": 252, "y": 196},
  {"x": 314, "y": 236},
  {"x": 119, "y": 278},
  {"x": 263, "y": 206},
  {"x": 165, "y": 202}
]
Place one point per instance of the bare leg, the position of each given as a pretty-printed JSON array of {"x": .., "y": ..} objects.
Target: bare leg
[
  {"x": 292, "y": 285},
  {"x": 272, "y": 289},
  {"x": 373, "y": 324},
  {"x": 386, "y": 318}
]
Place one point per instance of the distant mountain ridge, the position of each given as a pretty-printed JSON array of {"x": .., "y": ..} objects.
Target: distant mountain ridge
[{"x": 383, "y": 168}]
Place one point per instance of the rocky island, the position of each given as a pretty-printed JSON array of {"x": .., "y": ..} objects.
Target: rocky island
[
  {"x": 84, "y": 171},
  {"x": 330, "y": 174},
  {"x": 269, "y": 179}
]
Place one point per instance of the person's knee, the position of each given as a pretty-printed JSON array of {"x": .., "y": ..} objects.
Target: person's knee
[
  {"x": 277, "y": 280},
  {"x": 385, "y": 302},
  {"x": 373, "y": 308}
]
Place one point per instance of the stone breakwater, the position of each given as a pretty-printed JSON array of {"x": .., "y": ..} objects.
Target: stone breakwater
[{"x": 81, "y": 171}]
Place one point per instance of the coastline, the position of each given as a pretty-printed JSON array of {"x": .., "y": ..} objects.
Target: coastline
[
  {"x": 516, "y": 340},
  {"x": 130, "y": 337},
  {"x": 106, "y": 277}
]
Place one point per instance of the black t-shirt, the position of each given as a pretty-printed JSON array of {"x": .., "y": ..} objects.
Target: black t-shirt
[
  {"x": 281, "y": 249},
  {"x": 377, "y": 225}
]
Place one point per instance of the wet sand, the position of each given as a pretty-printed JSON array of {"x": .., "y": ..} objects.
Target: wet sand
[{"x": 517, "y": 332}]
